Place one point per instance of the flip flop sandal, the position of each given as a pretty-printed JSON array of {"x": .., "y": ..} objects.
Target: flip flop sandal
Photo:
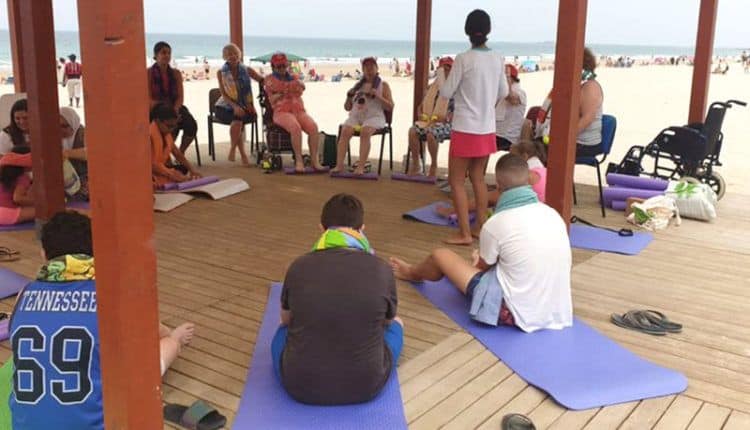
[
  {"x": 199, "y": 416},
  {"x": 635, "y": 320},
  {"x": 658, "y": 318},
  {"x": 517, "y": 422},
  {"x": 8, "y": 255}
]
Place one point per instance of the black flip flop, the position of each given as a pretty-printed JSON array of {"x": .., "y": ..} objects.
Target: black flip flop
[
  {"x": 517, "y": 422},
  {"x": 7, "y": 255},
  {"x": 646, "y": 321},
  {"x": 199, "y": 416},
  {"x": 623, "y": 232}
]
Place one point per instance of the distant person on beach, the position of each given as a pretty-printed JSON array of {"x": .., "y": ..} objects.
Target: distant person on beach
[
  {"x": 235, "y": 106},
  {"x": 396, "y": 67},
  {"x": 510, "y": 112},
  {"x": 339, "y": 338},
  {"x": 165, "y": 86},
  {"x": 367, "y": 101},
  {"x": 163, "y": 122},
  {"x": 285, "y": 95},
  {"x": 60, "y": 69},
  {"x": 206, "y": 68},
  {"x": 72, "y": 79},
  {"x": 433, "y": 127},
  {"x": 476, "y": 82},
  {"x": 16, "y": 134},
  {"x": 60, "y": 335}
]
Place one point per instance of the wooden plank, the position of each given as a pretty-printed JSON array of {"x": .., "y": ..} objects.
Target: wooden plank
[
  {"x": 526, "y": 401},
  {"x": 573, "y": 419},
  {"x": 485, "y": 406},
  {"x": 647, "y": 413},
  {"x": 546, "y": 413},
  {"x": 710, "y": 417},
  {"x": 611, "y": 416},
  {"x": 737, "y": 421},
  {"x": 432, "y": 356},
  {"x": 679, "y": 414}
]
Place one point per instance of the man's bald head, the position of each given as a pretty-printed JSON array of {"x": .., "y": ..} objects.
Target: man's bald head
[{"x": 511, "y": 171}]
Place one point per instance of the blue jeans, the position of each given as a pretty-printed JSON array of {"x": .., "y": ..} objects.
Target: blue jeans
[{"x": 393, "y": 336}]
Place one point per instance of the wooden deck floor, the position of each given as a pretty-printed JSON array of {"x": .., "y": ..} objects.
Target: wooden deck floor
[{"x": 217, "y": 259}]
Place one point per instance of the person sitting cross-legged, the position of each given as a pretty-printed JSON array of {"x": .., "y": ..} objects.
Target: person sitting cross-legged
[
  {"x": 340, "y": 337},
  {"x": 521, "y": 273},
  {"x": 57, "y": 382}
]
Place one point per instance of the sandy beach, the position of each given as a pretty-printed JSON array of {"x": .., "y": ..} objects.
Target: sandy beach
[{"x": 644, "y": 99}]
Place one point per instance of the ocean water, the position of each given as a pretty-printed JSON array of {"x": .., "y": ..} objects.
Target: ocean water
[{"x": 186, "y": 48}]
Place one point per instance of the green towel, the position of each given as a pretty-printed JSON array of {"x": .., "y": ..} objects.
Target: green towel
[{"x": 6, "y": 386}]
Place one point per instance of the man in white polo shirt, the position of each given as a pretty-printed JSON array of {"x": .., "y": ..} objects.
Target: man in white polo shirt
[{"x": 521, "y": 273}]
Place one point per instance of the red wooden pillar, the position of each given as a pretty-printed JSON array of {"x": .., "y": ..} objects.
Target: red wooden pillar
[
  {"x": 704, "y": 45},
  {"x": 571, "y": 34},
  {"x": 112, "y": 45},
  {"x": 422, "y": 54},
  {"x": 40, "y": 77},
  {"x": 16, "y": 45},
  {"x": 235, "y": 24}
]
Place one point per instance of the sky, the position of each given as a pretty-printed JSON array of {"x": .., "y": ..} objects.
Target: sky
[{"x": 630, "y": 22}]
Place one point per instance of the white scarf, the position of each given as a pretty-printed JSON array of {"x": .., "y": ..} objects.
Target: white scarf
[{"x": 74, "y": 121}]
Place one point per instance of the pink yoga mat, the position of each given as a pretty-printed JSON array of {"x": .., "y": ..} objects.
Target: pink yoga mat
[
  {"x": 611, "y": 194},
  {"x": 639, "y": 182},
  {"x": 190, "y": 184}
]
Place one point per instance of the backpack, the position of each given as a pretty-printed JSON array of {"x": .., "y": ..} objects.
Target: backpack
[{"x": 328, "y": 149}]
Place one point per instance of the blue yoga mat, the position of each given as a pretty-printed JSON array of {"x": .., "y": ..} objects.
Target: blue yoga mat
[
  {"x": 597, "y": 239},
  {"x": 265, "y": 404},
  {"x": 11, "y": 282},
  {"x": 428, "y": 215},
  {"x": 578, "y": 366}
]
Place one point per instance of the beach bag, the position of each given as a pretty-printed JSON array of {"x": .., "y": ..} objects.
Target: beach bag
[
  {"x": 327, "y": 149},
  {"x": 693, "y": 198},
  {"x": 71, "y": 181},
  {"x": 655, "y": 213}
]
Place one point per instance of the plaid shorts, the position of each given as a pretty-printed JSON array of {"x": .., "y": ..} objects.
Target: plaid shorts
[{"x": 441, "y": 131}]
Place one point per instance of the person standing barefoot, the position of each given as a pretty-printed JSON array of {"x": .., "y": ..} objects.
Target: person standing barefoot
[{"x": 476, "y": 82}]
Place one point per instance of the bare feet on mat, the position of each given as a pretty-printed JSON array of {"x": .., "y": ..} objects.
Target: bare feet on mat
[
  {"x": 456, "y": 239},
  {"x": 445, "y": 211},
  {"x": 359, "y": 171},
  {"x": 402, "y": 270},
  {"x": 413, "y": 171},
  {"x": 318, "y": 167},
  {"x": 183, "y": 333},
  {"x": 336, "y": 170},
  {"x": 299, "y": 167},
  {"x": 433, "y": 171}
]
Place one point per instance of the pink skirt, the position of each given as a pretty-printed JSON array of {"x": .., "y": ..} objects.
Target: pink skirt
[{"x": 468, "y": 145}]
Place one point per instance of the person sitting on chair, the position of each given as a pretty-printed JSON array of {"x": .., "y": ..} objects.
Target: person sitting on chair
[
  {"x": 339, "y": 338},
  {"x": 57, "y": 379},
  {"x": 366, "y": 103},
  {"x": 74, "y": 149},
  {"x": 164, "y": 120},
  {"x": 16, "y": 192},
  {"x": 235, "y": 106},
  {"x": 165, "y": 86},
  {"x": 17, "y": 133},
  {"x": 590, "y": 115},
  {"x": 510, "y": 112},
  {"x": 521, "y": 273},
  {"x": 285, "y": 95},
  {"x": 435, "y": 126}
]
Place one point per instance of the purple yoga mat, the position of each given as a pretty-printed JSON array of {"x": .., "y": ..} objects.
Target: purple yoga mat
[
  {"x": 308, "y": 171},
  {"x": 428, "y": 215},
  {"x": 619, "y": 205},
  {"x": 639, "y": 182},
  {"x": 11, "y": 282},
  {"x": 414, "y": 178},
  {"x": 265, "y": 404},
  {"x": 190, "y": 184},
  {"x": 17, "y": 227},
  {"x": 4, "y": 327},
  {"x": 78, "y": 205},
  {"x": 597, "y": 239},
  {"x": 578, "y": 366},
  {"x": 372, "y": 176},
  {"x": 618, "y": 193}
]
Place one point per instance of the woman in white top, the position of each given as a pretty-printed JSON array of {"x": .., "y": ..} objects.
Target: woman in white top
[
  {"x": 17, "y": 133},
  {"x": 476, "y": 83}
]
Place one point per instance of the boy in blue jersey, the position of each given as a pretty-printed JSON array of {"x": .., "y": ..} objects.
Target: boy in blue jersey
[{"x": 55, "y": 335}]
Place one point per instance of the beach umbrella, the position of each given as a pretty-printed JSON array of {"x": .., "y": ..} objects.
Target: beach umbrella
[{"x": 267, "y": 58}]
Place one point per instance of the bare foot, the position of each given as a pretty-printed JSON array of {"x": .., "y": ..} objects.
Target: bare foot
[
  {"x": 245, "y": 161},
  {"x": 413, "y": 171},
  {"x": 232, "y": 157},
  {"x": 445, "y": 211},
  {"x": 359, "y": 171},
  {"x": 183, "y": 333},
  {"x": 433, "y": 171},
  {"x": 402, "y": 270},
  {"x": 299, "y": 167},
  {"x": 459, "y": 240}
]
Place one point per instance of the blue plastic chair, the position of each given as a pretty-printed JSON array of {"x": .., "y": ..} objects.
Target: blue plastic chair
[{"x": 609, "y": 127}]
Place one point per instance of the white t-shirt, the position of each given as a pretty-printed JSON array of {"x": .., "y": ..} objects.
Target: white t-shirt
[
  {"x": 530, "y": 248},
  {"x": 509, "y": 118},
  {"x": 476, "y": 82}
]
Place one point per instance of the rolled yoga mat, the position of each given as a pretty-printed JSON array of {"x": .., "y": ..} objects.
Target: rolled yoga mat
[
  {"x": 639, "y": 182},
  {"x": 265, "y": 404},
  {"x": 414, "y": 178},
  {"x": 308, "y": 171},
  {"x": 597, "y": 239},
  {"x": 11, "y": 282},
  {"x": 619, "y": 205},
  {"x": 190, "y": 184},
  {"x": 350, "y": 175},
  {"x": 611, "y": 194},
  {"x": 578, "y": 366}
]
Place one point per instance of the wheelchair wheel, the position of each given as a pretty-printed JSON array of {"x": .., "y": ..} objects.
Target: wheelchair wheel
[{"x": 716, "y": 182}]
